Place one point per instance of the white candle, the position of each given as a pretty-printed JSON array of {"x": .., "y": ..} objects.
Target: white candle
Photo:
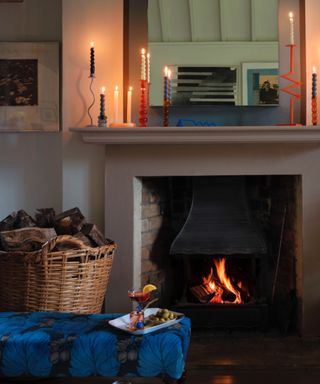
[
  {"x": 143, "y": 64},
  {"x": 116, "y": 104},
  {"x": 291, "y": 28},
  {"x": 148, "y": 67},
  {"x": 129, "y": 102}
]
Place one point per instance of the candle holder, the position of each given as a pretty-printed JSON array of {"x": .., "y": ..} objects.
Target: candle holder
[
  {"x": 143, "y": 112},
  {"x": 314, "y": 110},
  {"x": 295, "y": 83}
]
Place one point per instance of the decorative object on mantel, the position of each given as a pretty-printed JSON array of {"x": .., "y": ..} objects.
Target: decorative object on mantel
[
  {"x": 287, "y": 76},
  {"x": 194, "y": 123},
  {"x": 91, "y": 77},
  {"x": 143, "y": 112},
  {"x": 314, "y": 105},
  {"x": 166, "y": 95},
  {"x": 102, "y": 119}
]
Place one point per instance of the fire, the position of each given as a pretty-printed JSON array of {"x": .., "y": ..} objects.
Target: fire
[{"x": 222, "y": 284}]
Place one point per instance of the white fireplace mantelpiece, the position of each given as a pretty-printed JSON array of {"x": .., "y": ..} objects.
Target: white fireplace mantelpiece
[
  {"x": 201, "y": 135},
  {"x": 207, "y": 152}
]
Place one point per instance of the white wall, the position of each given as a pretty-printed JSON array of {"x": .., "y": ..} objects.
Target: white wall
[
  {"x": 30, "y": 163},
  {"x": 84, "y": 21},
  {"x": 57, "y": 169}
]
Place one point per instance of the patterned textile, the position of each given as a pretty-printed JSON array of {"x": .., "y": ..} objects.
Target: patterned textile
[{"x": 44, "y": 344}]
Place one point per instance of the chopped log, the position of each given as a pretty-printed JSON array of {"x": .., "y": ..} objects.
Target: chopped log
[
  {"x": 67, "y": 242},
  {"x": 23, "y": 220},
  {"x": 93, "y": 233},
  {"x": 7, "y": 224},
  {"x": 69, "y": 222},
  {"x": 45, "y": 217},
  {"x": 26, "y": 239},
  {"x": 202, "y": 293},
  {"x": 84, "y": 239}
]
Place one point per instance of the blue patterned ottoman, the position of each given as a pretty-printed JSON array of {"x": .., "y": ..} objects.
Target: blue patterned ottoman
[{"x": 60, "y": 344}]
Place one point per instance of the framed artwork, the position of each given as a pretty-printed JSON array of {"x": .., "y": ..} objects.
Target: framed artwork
[
  {"x": 260, "y": 84},
  {"x": 29, "y": 87}
]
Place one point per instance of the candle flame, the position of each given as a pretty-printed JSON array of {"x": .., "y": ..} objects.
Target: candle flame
[
  {"x": 92, "y": 44},
  {"x": 103, "y": 90},
  {"x": 314, "y": 70},
  {"x": 291, "y": 15},
  {"x": 166, "y": 71},
  {"x": 169, "y": 73},
  {"x": 143, "y": 51},
  {"x": 130, "y": 89}
]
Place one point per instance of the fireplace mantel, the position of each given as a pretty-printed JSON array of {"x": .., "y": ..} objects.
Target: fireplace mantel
[{"x": 200, "y": 135}]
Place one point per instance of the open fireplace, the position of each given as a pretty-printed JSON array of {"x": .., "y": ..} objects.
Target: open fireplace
[{"x": 222, "y": 249}]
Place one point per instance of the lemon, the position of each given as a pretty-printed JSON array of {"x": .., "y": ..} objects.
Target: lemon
[{"x": 149, "y": 288}]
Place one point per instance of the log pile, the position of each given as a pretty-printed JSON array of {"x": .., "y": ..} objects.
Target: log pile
[{"x": 21, "y": 232}]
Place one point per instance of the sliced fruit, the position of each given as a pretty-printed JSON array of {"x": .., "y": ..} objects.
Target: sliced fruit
[{"x": 149, "y": 288}]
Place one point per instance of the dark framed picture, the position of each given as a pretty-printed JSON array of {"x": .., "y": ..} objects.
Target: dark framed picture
[
  {"x": 260, "y": 84},
  {"x": 29, "y": 86}
]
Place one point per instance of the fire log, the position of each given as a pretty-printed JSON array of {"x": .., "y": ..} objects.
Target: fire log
[
  {"x": 202, "y": 293},
  {"x": 93, "y": 233},
  {"x": 45, "y": 217},
  {"x": 7, "y": 224},
  {"x": 23, "y": 220},
  {"x": 69, "y": 222},
  {"x": 26, "y": 239}
]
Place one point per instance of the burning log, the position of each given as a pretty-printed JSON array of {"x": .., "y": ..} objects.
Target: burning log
[{"x": 202, "y": 293}]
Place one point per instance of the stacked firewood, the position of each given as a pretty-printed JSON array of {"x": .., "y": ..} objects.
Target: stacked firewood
[{"x": 21, "y": 232}]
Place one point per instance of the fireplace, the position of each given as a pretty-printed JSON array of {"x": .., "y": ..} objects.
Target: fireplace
[{"x": 223, "y": 249}]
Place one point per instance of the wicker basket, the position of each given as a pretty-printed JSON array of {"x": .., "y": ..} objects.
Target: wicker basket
[{"x": 64, "y": 281}]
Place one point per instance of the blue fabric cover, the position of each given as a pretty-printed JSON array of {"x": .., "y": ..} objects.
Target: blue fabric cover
[{"x": 46, "y": 344}]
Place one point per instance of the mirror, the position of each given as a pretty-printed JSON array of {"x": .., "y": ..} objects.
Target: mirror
[{"x": 220, "y": 52}]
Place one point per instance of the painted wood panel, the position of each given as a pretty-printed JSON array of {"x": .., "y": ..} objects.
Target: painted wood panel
[
  {"x": 264, "y": 20},
  {"x": 236, "y": 20},
  {"x": 175, "y": 20},
  {"x": 154, "y": 21},
  {"x": 205, "y": 20}
]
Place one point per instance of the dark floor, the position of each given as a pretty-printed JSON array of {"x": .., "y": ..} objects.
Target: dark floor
[{"x": 240, "y": 359}]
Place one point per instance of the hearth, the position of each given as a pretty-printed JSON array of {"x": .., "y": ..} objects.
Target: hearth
[{"x": 222, "y": 249}]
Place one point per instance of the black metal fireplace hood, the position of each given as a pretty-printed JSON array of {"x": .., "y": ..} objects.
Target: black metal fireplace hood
[{"x": 219, "y": 221}]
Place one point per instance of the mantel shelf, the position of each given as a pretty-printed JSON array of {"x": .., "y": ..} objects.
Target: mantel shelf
[{"x": 200, "y": 135}]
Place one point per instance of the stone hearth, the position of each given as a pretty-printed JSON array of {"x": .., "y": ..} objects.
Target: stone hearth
[{"x": 126, "y": 164}]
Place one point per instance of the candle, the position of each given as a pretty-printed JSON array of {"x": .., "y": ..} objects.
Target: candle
[
  {"x": 116, "y": 104},
  {"x": 102, "y": 102},
  {"x": 165, "y": 83},
  {"x": 291, "y": 28},
  {"x": 148, "y": 67},
  {"x": 169, "y": 84},
  {"x": 92, "y": 67},
  {"x": 129, "y": 102},
  {"x": 314, "y": 82},
  {"x": 143, "y": 64}
]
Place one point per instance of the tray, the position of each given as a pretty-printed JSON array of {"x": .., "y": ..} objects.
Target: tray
[{"x": 123, "y": 321}]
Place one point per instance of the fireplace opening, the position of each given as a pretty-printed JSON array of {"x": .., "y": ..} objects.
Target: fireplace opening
[{"x": 223, "y": 249}]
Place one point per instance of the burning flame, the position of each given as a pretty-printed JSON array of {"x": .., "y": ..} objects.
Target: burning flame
[{"x": 222, "y": 284}]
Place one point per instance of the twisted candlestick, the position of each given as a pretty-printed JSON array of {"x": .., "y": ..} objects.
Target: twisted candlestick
[
  {"x": 295, "y": 83},
  {"x": 93, "y": 100},
  {"x": 102, "y": 119},
  {"x": 314, "y": 106},
  {"x": 166, "y": 101},
  {"x": 92, "y": 64},
  {"x": 143, "y": 112}
]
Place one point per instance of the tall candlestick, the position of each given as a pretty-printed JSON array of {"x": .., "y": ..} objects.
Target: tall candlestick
[
  {"x": 102, "y": 119},
  {"x": 92, "y": 66},
  {"x": 129, "y": 103},
  {"x": 143, "y": 64},
  {"x": 314, "y": 104},
  {"x": 291, "y": 28},
  {"x": 148, "y": 68},
  {"x": 116, "y": 105}
]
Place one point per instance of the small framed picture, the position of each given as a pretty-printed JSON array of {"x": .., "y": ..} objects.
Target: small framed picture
[
  {"x": 29, "y": 87},
  {"x": 260, "y": 84}
]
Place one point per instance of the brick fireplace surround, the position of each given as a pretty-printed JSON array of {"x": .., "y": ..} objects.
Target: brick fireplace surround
[{"x": 135, "y": 153}]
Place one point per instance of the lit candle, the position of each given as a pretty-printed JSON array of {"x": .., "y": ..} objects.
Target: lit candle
[
  {"x": 102, "y": 102},
  {"x": 291, "y": 28},
  {"x": 143, "y": 64},
  {"x": 148, "y": 67},
  {"x": 129, "y": 102},
  {"x": 92, "y": 67},
  {"x": 314, "y": 82},
  {"x": 116, "y": 104},
  {"x": 169, "y": 84}
]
